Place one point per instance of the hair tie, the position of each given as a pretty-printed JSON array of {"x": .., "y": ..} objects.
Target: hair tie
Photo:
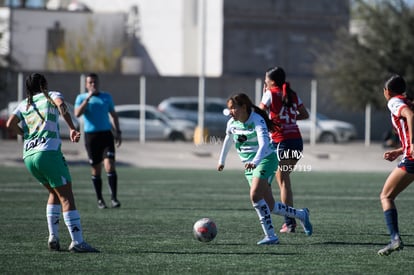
[{"x": 285, "y": 87}]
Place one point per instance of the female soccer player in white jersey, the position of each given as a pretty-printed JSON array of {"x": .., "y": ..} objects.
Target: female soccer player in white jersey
[
  {"x": 402, "y": 118},
  {"x": 248, "y": 129},
  {"x": 42, "y": 155}
]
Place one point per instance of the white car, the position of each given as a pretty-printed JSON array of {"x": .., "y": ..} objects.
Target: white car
[
  {"x": 327, "y": 130},
  {"x": 157, "y": 125},
  {"x": 186, "y": 108}
]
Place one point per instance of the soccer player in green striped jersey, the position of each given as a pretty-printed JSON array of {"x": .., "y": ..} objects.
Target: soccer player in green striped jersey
[
  {"x": 38, "y": 116},
  {"x": 248, "y": 128}
]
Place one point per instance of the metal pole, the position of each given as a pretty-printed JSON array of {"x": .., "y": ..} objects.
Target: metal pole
[
  {"x": 258, "y": 91},
  {"x": 368, "y": 124},
  {"x": 19, "y": 98},
  {"x": 82, "y": 89},
  {"x": 313, "y": 108},
  {"x": 82, "y": 84},
  {"x": 20, "y": 87},
  {"x": 142, "y": 100},
  {"x": 201, "y": 103},
  {"x": 201, "y": 62}
]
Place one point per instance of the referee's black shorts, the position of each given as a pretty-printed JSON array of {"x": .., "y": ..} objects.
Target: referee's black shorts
[{"x": 99, "y": 145}]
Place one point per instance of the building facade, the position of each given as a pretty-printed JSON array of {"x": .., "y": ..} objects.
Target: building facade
[
  {"x": 169, "y": 38},
  {"x": 262, "y": 34}
]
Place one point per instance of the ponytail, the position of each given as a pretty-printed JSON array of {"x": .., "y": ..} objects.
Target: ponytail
[
  {"x": 35, "y": 84},
  {"x": 287, "y": 94},
  {"x": 278, "y": 75}
]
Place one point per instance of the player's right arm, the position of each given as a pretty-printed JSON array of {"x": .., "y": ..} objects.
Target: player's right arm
[
  {"x": 224, "y": 151},
  {"x": 80, "y": 105},
  {"x": 266, "y": 100},
  {"x": 393, "y": 154},
  {"x": 13, "y": 125},
  {"x": 225, "y": 147}
]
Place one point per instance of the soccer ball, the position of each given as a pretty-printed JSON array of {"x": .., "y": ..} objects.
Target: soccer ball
[{"x": 205, "y": 230}]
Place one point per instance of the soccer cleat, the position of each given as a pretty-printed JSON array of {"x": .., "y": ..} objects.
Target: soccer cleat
[
  {"x": 101, "y": 204},
  {"x": 394, "y": 245},
  {"x": 269, "y": 240},
  {"x": 288, "y": 228},
  {"x": 53, "y": 243},
  {"x": 306, "y": 224},
  {"x": 82, "y": 248},
  {"x": 115, "y": 204}
]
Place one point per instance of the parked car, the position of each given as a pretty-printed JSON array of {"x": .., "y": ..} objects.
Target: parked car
[
  {"x": 157, "y": 125},
  {"x": 64, "y": 129},
  {"x": 327, "y": 130},
  {"x": 187, "y": 108}
]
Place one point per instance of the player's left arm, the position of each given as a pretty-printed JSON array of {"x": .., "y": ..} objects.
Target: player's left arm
[
  {"x": 118, "y": 133},
  {"x": 63, "y": 110},
  {"x": 408, "y": 114},
  {"x": 263, "y": 140},
  {"x": 302, "y": 113}
]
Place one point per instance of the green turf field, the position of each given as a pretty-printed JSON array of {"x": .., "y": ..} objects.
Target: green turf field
[{"x": 152, "y": 232}]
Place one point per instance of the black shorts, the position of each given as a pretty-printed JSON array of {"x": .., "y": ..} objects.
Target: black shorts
[
  {"x": 289, "y": 149},
  {"x": 407, "y": 164},
  {"x": 99, "y": 145}
]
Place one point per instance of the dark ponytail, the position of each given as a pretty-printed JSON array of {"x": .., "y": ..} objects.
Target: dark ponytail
[
  {"x": 278, "y": 75},
  {"x": 35, "y": 84}
]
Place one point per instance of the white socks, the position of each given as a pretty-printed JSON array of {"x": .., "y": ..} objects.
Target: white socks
[
  {"x": 265, "y": 218},
  {"x": 284, "y": 210},
  {"x": 53, "y": 217},
  {"x": 72, "y": 221}
]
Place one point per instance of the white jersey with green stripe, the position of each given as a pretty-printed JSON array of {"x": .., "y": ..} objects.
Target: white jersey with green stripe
[
  {"x": 251, "y": 138},
  {"x": 40, "y": 124}
]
